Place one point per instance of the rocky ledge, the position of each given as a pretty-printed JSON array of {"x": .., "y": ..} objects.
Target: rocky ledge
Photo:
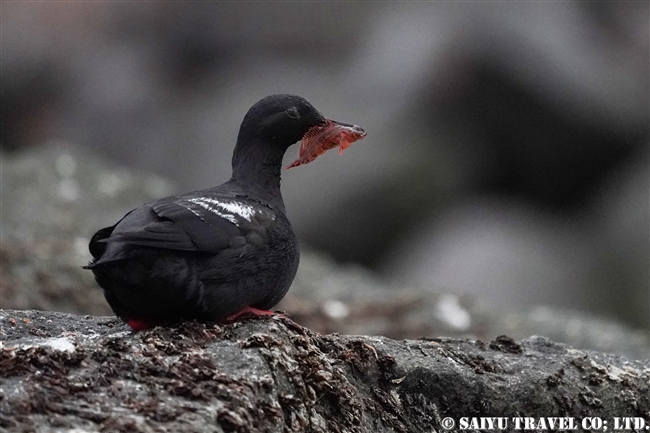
[{"x": 65, "y": 373}]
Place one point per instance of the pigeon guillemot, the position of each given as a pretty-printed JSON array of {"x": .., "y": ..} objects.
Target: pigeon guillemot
[{"x": 213, "y": 254}]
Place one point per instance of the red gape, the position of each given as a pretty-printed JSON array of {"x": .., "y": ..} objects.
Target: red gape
[{"x": 321, "y": 138}]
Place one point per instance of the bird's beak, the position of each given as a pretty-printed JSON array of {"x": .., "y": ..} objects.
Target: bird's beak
[
  {"x": 350, "y": 128},
  {"x": 327, "y": 135}
]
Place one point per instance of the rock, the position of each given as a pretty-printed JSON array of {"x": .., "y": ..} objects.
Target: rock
[{"x": 60, "y": 372}]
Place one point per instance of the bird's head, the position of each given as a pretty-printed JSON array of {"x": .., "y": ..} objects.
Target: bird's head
[
  {"x": 281, "y": 119},
  {"x": 276, "y": 122},
  {"x": 285, "y": 119}
]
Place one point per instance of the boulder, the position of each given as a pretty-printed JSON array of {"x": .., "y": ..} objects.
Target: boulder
[{"x": 60, "y": 372}]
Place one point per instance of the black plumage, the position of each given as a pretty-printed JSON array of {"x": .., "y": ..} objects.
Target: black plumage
[{"x": 210, "y": 254}]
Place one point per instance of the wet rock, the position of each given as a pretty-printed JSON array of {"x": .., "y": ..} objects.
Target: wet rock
[{"x": 60, "y": 372}]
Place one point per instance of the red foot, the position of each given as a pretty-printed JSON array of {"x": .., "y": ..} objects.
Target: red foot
[
  {"x": 250, "y": 311},
  {"x": 140, "y": 324}
]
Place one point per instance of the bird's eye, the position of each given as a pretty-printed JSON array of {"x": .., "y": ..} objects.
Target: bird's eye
[{"x": 293, "y": 113}]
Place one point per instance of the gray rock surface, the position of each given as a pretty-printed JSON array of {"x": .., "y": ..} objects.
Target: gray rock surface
[{"x": 61, "y": 372}]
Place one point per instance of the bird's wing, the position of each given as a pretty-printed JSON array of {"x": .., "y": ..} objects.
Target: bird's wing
[{"x": 191, "y": 223}]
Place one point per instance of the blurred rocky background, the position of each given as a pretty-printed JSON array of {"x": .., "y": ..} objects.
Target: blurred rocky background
[{"x": 503, "y": 184}]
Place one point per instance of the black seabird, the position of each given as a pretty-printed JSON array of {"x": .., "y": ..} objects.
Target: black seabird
[{"x": 216, "y": 253}]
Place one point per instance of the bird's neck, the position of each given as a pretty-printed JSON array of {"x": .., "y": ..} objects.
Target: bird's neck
[{"x": 256, "y": 166}]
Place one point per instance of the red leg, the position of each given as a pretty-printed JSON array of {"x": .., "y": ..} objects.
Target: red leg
[
  {"x": 249, "y": 311},
  {"x": 140, "y": 324}
]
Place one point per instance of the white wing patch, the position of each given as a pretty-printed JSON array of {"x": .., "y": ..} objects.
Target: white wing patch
[
  {"x": 243, "y": 211},
  {"x": 226, "y": 210}
]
